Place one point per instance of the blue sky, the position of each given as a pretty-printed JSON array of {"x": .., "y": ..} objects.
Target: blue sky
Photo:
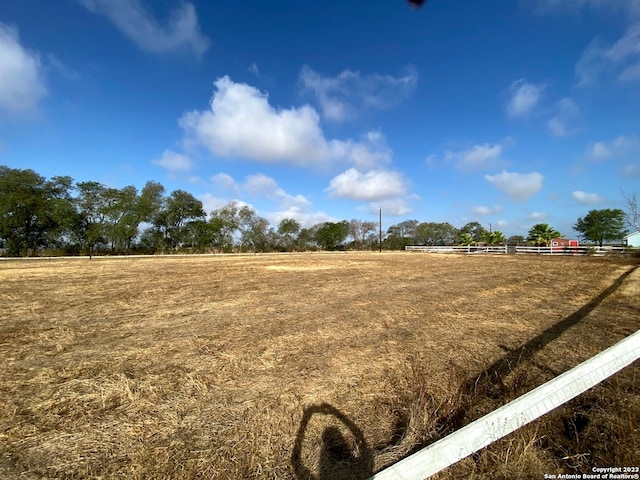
[{"x": 510, "y": 113}]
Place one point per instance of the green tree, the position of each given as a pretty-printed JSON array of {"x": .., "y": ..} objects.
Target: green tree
[
  {"x": 331, "y": 236},
  {"x": 495, "y": 237},
  {"x": 515, "y": 240},
  {"x": 465, "y": 239},
  {"x": 34, "y": 212},
  {"x": 474, "y": 229},
  {"x": 122, "y": 218},
  {"x": 432, "y": 233},
  {"x": 288, "y": 229},
  {"x": 603, "y": 225},
  {"x": 173, "y": 221},
  {"x": 307, "y": 239},
  {"x": 90, "y": 224},
  {"x": 399, "y": 236},
  {"x": 541, "y": 234},
  {"x": 254, "y": 230},
  {"x": 226, "y": 223}
]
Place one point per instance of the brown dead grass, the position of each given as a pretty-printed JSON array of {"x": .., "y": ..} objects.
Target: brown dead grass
[{"x": 303, "y": 366}]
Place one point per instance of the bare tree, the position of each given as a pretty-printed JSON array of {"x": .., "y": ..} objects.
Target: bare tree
[
  {"x": 632, "y": 214},
  {"x": 359, "y": 230}
]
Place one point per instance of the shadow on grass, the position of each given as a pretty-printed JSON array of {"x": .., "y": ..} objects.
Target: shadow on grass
[
  {"x": 503, "y": 366},
  {"x": 482, "y": 393},
  {"x": 341, "y": 457}
]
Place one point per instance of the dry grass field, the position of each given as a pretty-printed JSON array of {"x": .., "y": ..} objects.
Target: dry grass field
[{"x": 323, "y": 366}]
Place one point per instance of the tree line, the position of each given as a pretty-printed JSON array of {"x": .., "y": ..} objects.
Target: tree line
[{"x": 60, "y": 216}]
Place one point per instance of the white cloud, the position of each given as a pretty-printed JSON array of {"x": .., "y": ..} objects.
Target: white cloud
[
  {"x": 622, "y": 59},
  {"x": 21, "y": 79},
  {"x": 340, "y": 97},
  {"x": 394, "y": 207},
  {"x": 519, "y": 186},
  {"x": 524, "y": 98},
  {"x": 306, "y": 219},
  {"x": 587, "y": 198},
  {"x": 478, "y": 157},
  {"x": 620, "y": 147},
  {"x": 174, "y": 162},
  {"x": 566, "y": 112},
  {"x": 483, "y": 210},
  {"x": 210, "y": 203},
  {"x": 242, "y": 123},
  {"x": 502, "y": 223},
  {"x": 137, "y": 23},
  {"x": 225, "y": 182},
  {"x": 266, "y": 186},
  {"x": 374, "y": 185},
  {"x": 259, "y": 185},
  {"x": 536, "y": 216}
]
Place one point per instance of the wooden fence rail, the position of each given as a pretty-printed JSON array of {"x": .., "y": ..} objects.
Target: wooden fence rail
[
  {"x": 521, "y": 250},
  {"x": 521, "y": 411}
]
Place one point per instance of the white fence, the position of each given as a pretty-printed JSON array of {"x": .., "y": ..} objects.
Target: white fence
[
  {"x": 508, "y": 418},
  {"x": 501, "y": 249},
  {"x": 588, "y": 250},
  {"x": 523, "y": 250}
]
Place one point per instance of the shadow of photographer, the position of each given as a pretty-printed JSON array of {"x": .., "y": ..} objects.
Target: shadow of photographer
[{"x": 339, "y": 458}]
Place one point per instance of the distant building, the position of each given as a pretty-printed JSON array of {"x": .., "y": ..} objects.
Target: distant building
[
  {"x": 563, "y": 244},
  {"x": 633, "y": 239}
]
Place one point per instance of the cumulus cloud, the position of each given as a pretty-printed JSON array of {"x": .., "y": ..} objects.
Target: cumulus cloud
[
  {"x": 305, "y": 218},
  {"x": 211, "y": 202},
  {"x": 266, "y": 186},
  {"x": 394, "y": 207},
  {"x": 566, "y": 112},
  {"x": 483, "y": 210},
  {"x": 621, "y": 60},
  {"x": 174, "y": 162},
  {"x": 137, "y": 23},
  {"x": 21, "y": 78},
  {"x": 225, "y": 182},
  {"x": 587, "y": 198},
  {"x": 242, "y": 123},
  {"x": 478, "y": 157},
  {"x": 374, "y": 185},
  {"x": 620, "y": 147},
  {"x": 341, "y": 97},
  {"x": 524, "y": 98},
  {"x": 261, "y": 186},
  {"x": 519, "y": 186}
]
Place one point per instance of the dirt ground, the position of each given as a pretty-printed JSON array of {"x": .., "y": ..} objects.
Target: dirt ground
[{"x": 311, "y": 366}]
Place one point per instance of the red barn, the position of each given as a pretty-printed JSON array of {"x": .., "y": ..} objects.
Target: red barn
[{"x": 563, "y": 244}]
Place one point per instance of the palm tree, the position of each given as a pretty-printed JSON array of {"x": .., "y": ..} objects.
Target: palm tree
[
  {"x": 493, "y": 238},
  {"x": 466, "y": 239},
  {"x": 541, "y": 234}
]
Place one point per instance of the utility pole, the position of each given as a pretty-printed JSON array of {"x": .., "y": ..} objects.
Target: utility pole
[{"x": 380, "y": 238}]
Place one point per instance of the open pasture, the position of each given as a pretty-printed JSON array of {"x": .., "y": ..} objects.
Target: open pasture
[{"x": 305, "y": 366}]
